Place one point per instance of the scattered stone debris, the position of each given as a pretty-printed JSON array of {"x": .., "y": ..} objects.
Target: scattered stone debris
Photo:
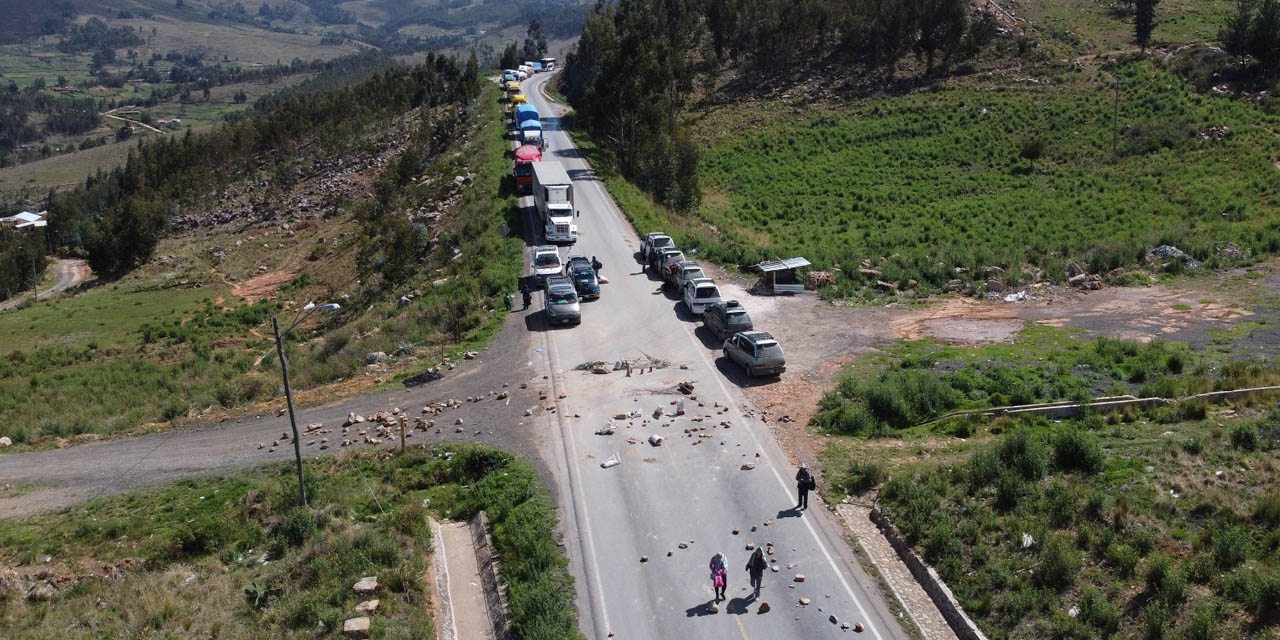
[
  {"x": 368, "y": 606},
  {"x": 747, "y": 466},
  {"x": 764, "y": 608},
  {"x": 356, "y": 627},
  {"x": 367, "y": 584},
  {"x": 1170, "y": 252}
]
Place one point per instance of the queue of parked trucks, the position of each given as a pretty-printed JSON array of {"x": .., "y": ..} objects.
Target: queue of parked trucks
[{"x": 566, "y": 284}]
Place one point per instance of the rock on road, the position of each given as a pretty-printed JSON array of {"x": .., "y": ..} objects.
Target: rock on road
[{"x": 690, "y": 490}]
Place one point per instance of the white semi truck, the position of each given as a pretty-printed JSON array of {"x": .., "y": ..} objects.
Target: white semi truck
[{"x": 553, "y": 196}]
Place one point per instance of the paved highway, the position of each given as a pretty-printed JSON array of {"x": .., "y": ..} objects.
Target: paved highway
[{"x": 690, "y": 489}]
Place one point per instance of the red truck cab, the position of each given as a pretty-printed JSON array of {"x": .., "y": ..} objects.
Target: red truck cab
[{"x": 525, "y": 157}]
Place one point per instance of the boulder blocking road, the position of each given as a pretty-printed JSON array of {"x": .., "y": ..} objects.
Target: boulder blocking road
[{"x": 641, "y": 533}]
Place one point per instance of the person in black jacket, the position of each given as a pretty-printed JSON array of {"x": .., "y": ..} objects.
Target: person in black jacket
[
  {"x": 804, "y": 484},
  {"x": 755, "y": 569}
]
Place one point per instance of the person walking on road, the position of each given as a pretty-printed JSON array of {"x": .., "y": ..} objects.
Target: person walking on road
[
  {"x": 804, "y": 484},
  {"x": 596, "y": 264},
  {"x": 526, "y": 293},
  {"x": 719, "y": 575},
  {"x": 755, "y": 568}
]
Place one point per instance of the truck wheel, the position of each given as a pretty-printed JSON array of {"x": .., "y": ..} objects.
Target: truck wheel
[{"x": 751, "y": 371}]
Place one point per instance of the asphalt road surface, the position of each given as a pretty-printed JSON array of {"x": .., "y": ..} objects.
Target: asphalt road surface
[
  {"x": 688, "y": 490},
  {"x": 70, "y": 273}
]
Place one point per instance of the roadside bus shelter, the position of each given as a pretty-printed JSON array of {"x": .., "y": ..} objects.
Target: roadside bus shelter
[{"x": 780, "y": 277}]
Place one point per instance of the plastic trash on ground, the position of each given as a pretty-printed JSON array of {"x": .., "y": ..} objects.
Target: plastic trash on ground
[
  {"x": 655, "y": 439},
  {"x": 613, "y": 461},
  {"x": 606, "y": 429},
  {"x": 1016, "y": 297}
]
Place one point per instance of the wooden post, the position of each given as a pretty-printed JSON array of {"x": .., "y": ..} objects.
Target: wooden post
[{"x": 403, "y": 421}]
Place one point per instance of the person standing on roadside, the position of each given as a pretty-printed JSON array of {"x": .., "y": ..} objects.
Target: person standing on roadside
[
  {"x": 719, "y": 575},
  {"x": 526, "y": 293},
  {"x": 804, "y": 484},
  {"x": 755, "y": 569}
]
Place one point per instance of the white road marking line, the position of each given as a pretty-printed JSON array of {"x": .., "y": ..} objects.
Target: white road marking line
[{"x": 444, "y": 562}]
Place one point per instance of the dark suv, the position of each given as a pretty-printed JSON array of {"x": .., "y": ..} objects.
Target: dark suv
[
  {"x": 725, "y": 319},
  {"x": 584, "y": 278}
]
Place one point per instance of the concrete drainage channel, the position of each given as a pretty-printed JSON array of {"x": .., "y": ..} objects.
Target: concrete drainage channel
[{"x": 467, "y": 580}]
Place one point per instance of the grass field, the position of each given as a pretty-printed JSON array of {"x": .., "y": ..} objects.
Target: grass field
[
  {"x": 74, "y": 364},
  {"x": 923, "y": 183},
  {"x": 1149, "y": 524},
  {"x": 1099, "y": 26},
  {"x": 1141, "y": 529},
  {"x": 238, "y": 557}
]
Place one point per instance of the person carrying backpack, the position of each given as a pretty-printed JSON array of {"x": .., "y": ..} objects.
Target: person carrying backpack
[
  {"x": 755, "y": 569},
  {"x": 719, "y": 575},
  {"x": 804, "y": 484}
]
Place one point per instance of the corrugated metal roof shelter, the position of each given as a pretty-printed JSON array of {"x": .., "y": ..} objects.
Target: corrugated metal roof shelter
[{"x": 779, "y": 276}]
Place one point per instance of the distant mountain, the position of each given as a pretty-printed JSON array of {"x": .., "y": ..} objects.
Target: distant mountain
[{"x": 416, "y": 23}]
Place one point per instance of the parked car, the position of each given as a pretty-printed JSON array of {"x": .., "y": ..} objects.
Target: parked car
[
  {"x": 757, "y": 352},
  {"x": 652, "y": 242},
  {"x": 699, "y": 294},
  {"x": 725, "y": 319},
  {"x": 562, "y": 301},
  {"x": 656, "y": 258},
  {"x": 667, "y": 260},
  {"x": 684, "y": 272},
  {"x": 584, "y": 277},
  {"x": 546, "y": 262}
]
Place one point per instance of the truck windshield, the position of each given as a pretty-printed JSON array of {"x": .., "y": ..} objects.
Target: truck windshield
[{"x": 524, "y": 169}]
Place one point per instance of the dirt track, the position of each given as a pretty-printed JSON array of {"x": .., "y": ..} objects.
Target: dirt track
[{"x": 70, "y": 273}]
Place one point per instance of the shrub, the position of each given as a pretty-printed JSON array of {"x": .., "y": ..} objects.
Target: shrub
[
  {"x": 1245, "y": 437},
  {"x": 1123, "y": 558},
  {"x": 1165, "y": 580},
  {"x": 298, "y": 526},
  {"x": 1099, "y": 612},
  {"x": 1077, "y": 450},
  {"x": 409, "y": 519},
  {"x": 1024, "y": 452},
  {"x": 1231, "y": 547},
  {"x": 860, "y": 477},
  {"x": 1203, "y": 624},
  {"x": 1267, "y": 511},
  {"x": 1059, "y": 563},
  {"x": 1060, "y": 504},
  {"x": 1010, "y": 487},
  {"x": 1154, "y": 620}
]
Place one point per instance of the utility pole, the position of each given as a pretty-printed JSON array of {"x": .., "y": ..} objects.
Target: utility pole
[{"x": 297, "y": 448}]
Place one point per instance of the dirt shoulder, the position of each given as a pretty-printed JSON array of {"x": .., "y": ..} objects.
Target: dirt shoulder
[{"x": 1229, "y": 311}]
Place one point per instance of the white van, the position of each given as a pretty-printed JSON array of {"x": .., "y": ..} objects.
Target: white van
[{"x": 700, "y": 293}]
